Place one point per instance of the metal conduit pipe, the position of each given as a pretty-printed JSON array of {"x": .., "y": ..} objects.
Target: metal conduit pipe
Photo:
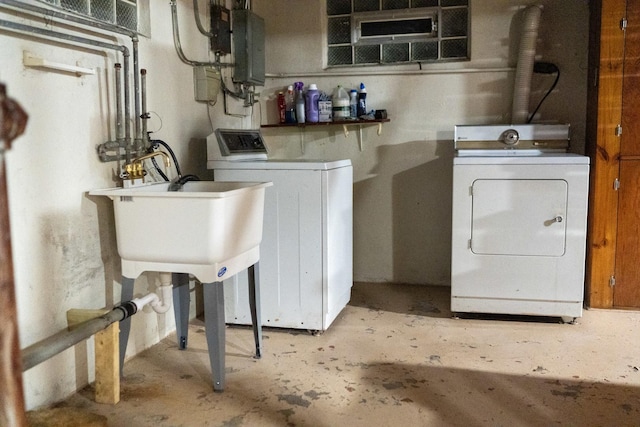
[
  {"x": 93, "y": 24},
  {"x": 136, "y": 88},
  {"x": 83, "y": 40},
  {"x": 49, "y": 347},
  {"x": 118, "y": 75},
  {"x": 143, "y": 99},
  {"x": 178, "y": 45},
  {"x": 176, "y": 38},
  {"x": 127, "y": 111},
  {"x": 196, "y": 14},
  {"x": 68, "y": 17}
]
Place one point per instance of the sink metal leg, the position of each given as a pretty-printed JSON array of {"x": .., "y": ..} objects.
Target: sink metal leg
[
  {"x": 254, "y": 305},
  {"x": 125, "y": 325},
  {"x": 181, "y": 302},
  {"x": 215, "y": 330}
]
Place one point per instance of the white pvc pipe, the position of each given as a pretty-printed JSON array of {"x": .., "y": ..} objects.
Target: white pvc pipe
[
  {"x": 159, "y": 305},
  {"x": 524, "y": 68}
]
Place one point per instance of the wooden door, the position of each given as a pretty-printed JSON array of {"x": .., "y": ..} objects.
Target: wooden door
[{"x": 626, "y": 292}]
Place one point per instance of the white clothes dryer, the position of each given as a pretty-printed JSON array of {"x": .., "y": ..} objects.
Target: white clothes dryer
[{"x": 519, "y": 230}]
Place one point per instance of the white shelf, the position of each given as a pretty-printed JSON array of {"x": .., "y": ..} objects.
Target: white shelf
[{"x": 31, "y": 60}]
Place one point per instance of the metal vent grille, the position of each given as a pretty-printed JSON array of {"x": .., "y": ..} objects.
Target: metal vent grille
[{"x": 448, "y": 41}]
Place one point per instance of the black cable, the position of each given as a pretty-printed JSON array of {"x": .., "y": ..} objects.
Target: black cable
[
  {"x": 545, "y": 68},
  {"x": 154, "y": 144},
  {"x": 155, "y": 165}
]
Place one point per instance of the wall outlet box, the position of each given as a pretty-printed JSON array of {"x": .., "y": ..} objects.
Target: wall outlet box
[{"x": 206, "y": 84}]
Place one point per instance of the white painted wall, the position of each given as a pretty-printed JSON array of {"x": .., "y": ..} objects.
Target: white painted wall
[
  {"x": 64, "y": 242},
  {"x": 403, "y": 177}
]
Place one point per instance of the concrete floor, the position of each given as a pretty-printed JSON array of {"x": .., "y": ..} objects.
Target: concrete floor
[{"x": 394, "y": 357}]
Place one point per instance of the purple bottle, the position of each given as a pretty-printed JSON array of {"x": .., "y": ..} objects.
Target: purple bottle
[{"x": 311, "y": 104}]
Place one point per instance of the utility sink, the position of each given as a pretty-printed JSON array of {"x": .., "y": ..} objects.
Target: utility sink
[{"x": 209, "y": 229}]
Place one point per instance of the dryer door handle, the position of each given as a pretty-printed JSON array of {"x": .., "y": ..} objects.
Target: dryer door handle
[{"x": 557, "y": 218}]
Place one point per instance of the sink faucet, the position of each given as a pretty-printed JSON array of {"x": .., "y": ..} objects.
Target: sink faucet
[{"x": 134, "y": 172}]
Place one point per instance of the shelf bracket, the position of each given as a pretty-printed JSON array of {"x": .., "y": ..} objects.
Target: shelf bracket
[
  {"x": 301, "y": 140},
  {"x": 30, "y": 60}
]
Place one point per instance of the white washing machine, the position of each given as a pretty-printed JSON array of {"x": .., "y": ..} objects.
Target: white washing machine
[
  {"x": 519, "y": 222},
  {"x": 306, "y": 254}
]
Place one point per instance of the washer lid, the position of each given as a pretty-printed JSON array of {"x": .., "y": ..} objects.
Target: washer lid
[{"x": 285, "y": 164}]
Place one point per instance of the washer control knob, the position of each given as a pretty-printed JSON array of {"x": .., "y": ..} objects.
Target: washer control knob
[{"x": 510, "y": 136}]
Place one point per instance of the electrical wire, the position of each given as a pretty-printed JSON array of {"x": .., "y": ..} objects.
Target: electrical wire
[
  {"x": 545, "y": 68},
  {"x": 157, "y": 168},
  {"x": 154, "y": 146}
]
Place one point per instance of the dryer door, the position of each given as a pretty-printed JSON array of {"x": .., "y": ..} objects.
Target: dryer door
[{"x": 524, "y": 217}]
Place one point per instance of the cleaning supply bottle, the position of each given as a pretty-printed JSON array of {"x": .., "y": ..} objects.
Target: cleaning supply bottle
[
  {"x": 353, "y": 104},
  {"x": 362, "y": 101},
  {"x": 312, "y": 103},
  {"x": 290, "y": 106},
  {"x": 340, "y": 104},
  {"x": 300, "y": 107},
  {"x": 282, "y": 107}
]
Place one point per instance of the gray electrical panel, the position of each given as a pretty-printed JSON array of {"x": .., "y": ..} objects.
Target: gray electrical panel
[
  {"x": 220, "y": 29},
  {"x": 248, "y": 47}
]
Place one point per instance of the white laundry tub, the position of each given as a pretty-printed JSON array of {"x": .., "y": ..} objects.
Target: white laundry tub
[{"x": 209, "y": 229}]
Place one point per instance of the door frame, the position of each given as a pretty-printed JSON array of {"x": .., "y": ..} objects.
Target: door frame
[{"x": 604, "y": 115}]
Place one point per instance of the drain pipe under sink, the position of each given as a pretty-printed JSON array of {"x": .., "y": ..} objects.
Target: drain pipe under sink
[
  {"x": 159, "y": 305},
  {"x": 49, "y": 347}
]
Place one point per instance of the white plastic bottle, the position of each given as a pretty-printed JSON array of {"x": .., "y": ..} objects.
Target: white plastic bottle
[
  {"x": 353, "y": 104},
  {"x": 340, "y": 104},
  {"x": 362, "y": 101},
  {"x": 300, "y": 107}
]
